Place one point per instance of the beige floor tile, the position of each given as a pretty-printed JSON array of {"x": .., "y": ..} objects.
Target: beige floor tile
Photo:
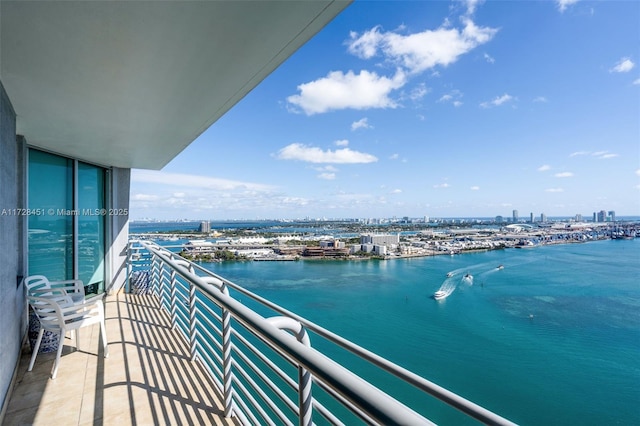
[{"x": 147, "y": 378}]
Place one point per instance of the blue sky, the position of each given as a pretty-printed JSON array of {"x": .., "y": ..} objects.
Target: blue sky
[{"x": 427, "y": 108}]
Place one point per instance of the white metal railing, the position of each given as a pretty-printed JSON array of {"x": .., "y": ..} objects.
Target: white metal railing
[{"x": 253, "y": 359}]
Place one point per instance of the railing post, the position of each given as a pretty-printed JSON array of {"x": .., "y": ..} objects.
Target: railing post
[
  {"x": 174, "y": 293},
  {"x": 226, "y": 348},
  {"x": 173, "y": 299},
  {"x": 155, "y": 275},
  {"x": 304, "y": 376},
  {"x": 192, "y": 320},
  {"x": 127, "y": 287}
]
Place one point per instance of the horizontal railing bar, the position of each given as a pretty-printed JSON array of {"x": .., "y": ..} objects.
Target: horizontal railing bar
[
  {"x": 256, "y": 405},
  {"x": 451, "y": 398},
  {"x": 245, "y": 411},
  {"x": 372, "y": 400},
  {"x": 262, "y": 393},
  {"x": 349, "y": 405},
  {"x": 324, "y": 412},
  {"x": 204, "y": 356},
  {"x": 270, "y": 384},
  {"x": 264, "y": 359}
]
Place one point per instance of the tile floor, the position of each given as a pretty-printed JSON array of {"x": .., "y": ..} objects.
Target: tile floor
[{"x": 146, "y": 380}]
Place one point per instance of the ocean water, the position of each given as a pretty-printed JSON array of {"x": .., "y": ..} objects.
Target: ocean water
[{"x": 553, "y": 338}]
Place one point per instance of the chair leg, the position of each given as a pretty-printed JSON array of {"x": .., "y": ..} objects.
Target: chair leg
[
  {"x": 103, "y": 331},
  {"x": 76, "y": 334},
  {"x": 36, "y": 349},
  {"x": 54, "y": 371}
]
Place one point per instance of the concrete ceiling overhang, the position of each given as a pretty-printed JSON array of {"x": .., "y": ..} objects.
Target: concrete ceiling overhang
[{"x": 132, "y": 83}]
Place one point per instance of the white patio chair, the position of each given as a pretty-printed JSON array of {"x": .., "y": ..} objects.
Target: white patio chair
[
  {"x": 58, "y": 313},
  {"x": 39, "y": 285}
]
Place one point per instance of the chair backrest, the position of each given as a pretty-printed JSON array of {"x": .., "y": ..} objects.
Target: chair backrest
[
  {"x": 48, "y": 311},
  {"x": 36, "y": 284}
]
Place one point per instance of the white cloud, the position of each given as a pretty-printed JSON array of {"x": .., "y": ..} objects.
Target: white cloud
[
  {"x": 194, "y": 181},
  {"x": 301, "y": 152},
  {"x": 396, "y": 191},
  {"x": 342, "y": 142},
  {"x": 499, "y": 100},
  {"x": 602, "y": 155},
  {"x": 442, "y": 185},
  {"x": 544, "y": 168},
  {"x": 412, "y": 53},
  {"x": 636, "y": 82},
  {"x": 394, "y": 156},
  {"x": 563, "y": 174},
  {"x": 554, "y": 190},
  {"x": 452, "y": 97},
  {"x": 471, "y": 5},
  {"x": 327, "y": 168},
  {"x": 638, "y": 172},
  {"x": 144, "y": 197},
  {"x": 489, "y": 58},
  {"x": 363, "y": 123},
  {"x": 340, "y": 91},
  {"x": 564, "y": 4},
  {"x": 418, "y": 92},
  {"x": 327, "y": 176},
  {"x": 475, "y": 188},
  {"x": 421, "y": 51},
  {"x": 623, "y": 65},
  {"x": 540, "y": 99},
  {"x": 578, "y": 153}
]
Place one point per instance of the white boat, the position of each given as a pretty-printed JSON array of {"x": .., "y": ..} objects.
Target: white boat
[
  {"x": 500, "y": 267},
  {"x": 439, "y": 295},
  {"x": 468, "y": 276},
  {"x": 449, "y": 274}
]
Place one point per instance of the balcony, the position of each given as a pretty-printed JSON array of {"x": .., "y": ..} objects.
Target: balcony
[{"x": 188, "y": 346}]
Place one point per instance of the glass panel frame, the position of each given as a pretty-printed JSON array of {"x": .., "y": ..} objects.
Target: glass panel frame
[{"x": 67, "y": 238}]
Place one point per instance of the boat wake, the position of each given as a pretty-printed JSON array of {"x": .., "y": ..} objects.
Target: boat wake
[{"x": 445, "y": 290}]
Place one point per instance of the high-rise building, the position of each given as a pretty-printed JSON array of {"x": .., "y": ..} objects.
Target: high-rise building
[
  {"x": 595, "y": 217},
  {"x": 205, "y": 227},
  {"x": 612, "y": 216},
  {"x": 602, "y": 216},
  {"x": 578, "y": 218},
  {"x": 515, "y": 216},
  {"x": 543, "y": 217}
]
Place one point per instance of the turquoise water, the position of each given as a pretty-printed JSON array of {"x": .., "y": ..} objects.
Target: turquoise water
[{"x": 553, "y": 338}]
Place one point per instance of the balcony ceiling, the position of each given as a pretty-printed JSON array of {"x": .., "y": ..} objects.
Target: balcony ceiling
[{"x": 131, "y": 84}]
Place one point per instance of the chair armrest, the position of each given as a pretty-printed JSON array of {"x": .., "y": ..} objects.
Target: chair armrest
[
  {"x": 91, "y": 308},
  {"x": 74, "y": 286},
  {"x": 48, "y": 292},
  {"x": 61, "y": 298}
]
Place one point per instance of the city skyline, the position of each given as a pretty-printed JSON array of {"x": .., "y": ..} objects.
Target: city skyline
[{"x": 440, "y": 109}]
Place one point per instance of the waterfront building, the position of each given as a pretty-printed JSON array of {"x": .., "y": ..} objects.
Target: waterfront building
[
  {"x": 515, "y": 216},
  {"x": 90, "y": 91},
  {"x": 499, "y": 219},
  {"x": 543, "y": 217},
  {"x": 602, "y": 216},
  {"x": 205, "y": 227},
  {"x": 595, "y": 217},
  {"x": 531, "y": 218},
  {"x": 380, "y": 239},
  {"x": 612, "y": 216},
  {"x": 578, "y": 218}
]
